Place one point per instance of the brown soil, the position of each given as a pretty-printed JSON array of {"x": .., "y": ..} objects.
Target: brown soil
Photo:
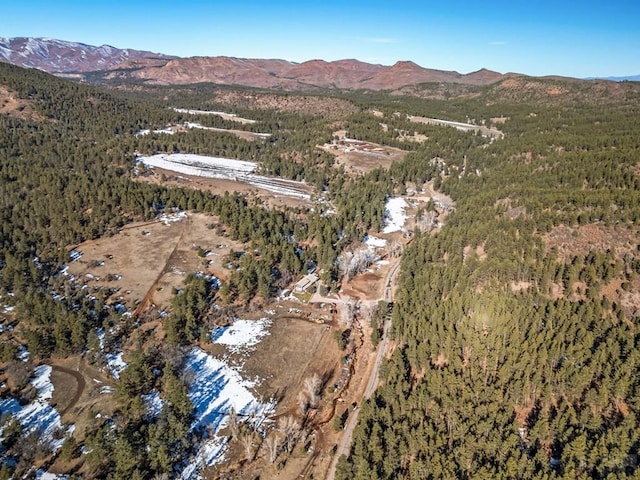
[
  {"x": 366, "y": 286},
  {"x": 16, "y": 107},
  {"x": 70, "y": 385},
  {"x": 362, "y": 157},
  {"x": 153, "y": 258},
  {"x": 593, "y": 237},
  {"x": 77, "y": 388}
]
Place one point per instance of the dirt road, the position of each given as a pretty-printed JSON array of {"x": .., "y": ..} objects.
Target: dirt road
[
  {"x": 344, "y": 446},
  {"x": 81, "y": 384}
]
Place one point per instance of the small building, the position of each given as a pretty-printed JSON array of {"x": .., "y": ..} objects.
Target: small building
[{"x": 307, "y": 281}]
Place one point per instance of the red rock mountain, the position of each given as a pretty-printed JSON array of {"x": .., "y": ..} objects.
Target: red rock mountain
[{"x": 56, "y": 56}]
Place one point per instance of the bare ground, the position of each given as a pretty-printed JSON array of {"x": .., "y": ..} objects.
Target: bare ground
[
  {"x": 361, "y": 157},
  {"x": 153, "y": 258},
  {"x": 16, "y": 107},
  {"x": 598, "y": 237}
]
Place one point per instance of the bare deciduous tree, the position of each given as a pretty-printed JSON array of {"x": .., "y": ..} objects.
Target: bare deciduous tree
[
  {"x": 353, "y": 263},
  {"x": 427, "y": 221},
  {"x": 233, "y": 422},
  {"x": 348, "y": 311},
  {"x": 312, "y": 386},
  {"x": 272, "y": 444},
  {"x": 246, "y": 439},
  {"x": 302, "y": 403},
  {"x": 367, "y": 310},
  {"x": 290, "y": 428},
  {"x": 394, "y": 249}
]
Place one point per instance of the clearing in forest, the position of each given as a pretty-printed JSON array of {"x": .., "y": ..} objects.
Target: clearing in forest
[
  {"x": 147, "y": 261},
  {"x": 359, "y": 156}
]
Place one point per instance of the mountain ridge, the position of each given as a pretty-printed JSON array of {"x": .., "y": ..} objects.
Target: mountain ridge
[
  {"x": 61, "y": 56},
  {"x": 108, "y": 64},
  {"x": 75, "y": 59}
]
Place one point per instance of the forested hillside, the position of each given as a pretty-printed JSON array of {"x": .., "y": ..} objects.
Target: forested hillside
[
  {"x": 67, "y": 171},
  {"x": 517, "y": 354},
  {"x": 515, "y": 350}
]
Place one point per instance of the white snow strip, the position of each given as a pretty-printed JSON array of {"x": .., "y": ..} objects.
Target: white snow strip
[
  {"x": 395, "y": 216},
  {"x": 223, "y": 130},
  {"x": 42, "y": 475},
  {"x": 375, "y": 242},
  {"x": 242, "y": 334},
  {"x": 226, "y": 116},
  {"x": 224, "y": 168},
  {"x": 146, "y": 131}
]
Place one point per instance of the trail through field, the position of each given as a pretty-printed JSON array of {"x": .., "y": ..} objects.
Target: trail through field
[{"x": 148, "y": 298}]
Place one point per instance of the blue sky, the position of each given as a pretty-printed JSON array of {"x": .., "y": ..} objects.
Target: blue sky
[{"x": 537, "y": 37}]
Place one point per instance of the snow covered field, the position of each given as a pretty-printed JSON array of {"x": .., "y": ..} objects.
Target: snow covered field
[
  {"x": 224, "y": 168},
  {"x": 37, "y": 415},
  {"x": 216, "y": 389},
  {"x": 200, "y": 165},
  {"x": 395, "y": 214},
  {"x": 242, "y": 334}
]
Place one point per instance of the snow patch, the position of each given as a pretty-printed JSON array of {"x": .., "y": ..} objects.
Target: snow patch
[
  {"x": 216, "y": 389},
  {"x": 154, "y": 404},
  {"x": 375, "y": 242},
  {"x": 42, "y": 475},
  {"x": 115, "y": 363},
  {"x": 242, "y": 334},
  {"x": 395, "y": 214},
  {"x": 39, "y": 415},
  {"x": 169, "y": 218}
]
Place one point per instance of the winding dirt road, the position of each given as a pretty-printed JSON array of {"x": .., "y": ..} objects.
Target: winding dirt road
[{"x": 81, "y": 384}]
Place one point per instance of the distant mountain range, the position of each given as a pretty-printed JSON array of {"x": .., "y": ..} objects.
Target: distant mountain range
[
  {"x": 106, "y": 63},
  {"x": 74, "y": 59},
  {"x": 629, "y": 78},
  {"x": 56, "y": 56}
]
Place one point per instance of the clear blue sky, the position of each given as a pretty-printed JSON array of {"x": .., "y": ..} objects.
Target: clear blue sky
[{"x": 578, "y": 38}]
